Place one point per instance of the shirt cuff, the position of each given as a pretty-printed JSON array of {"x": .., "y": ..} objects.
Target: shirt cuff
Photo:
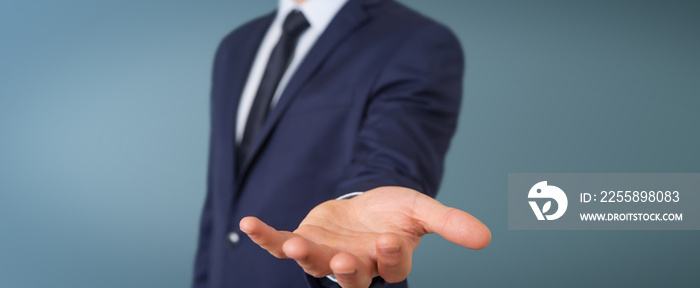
[
  {"x": 349, "y": 195},
  {"x": 332, "y": 278}
]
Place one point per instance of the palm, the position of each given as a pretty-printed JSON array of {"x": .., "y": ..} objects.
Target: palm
[
  {"x": 372, "y": 234},
  {"x": 350, "y": 225}
]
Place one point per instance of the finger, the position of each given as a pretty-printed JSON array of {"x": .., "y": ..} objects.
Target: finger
[
  {"x": 393, "y": 258},
  {"x": 312, "y": 257},
  {"x": 455, "y": 225},
  {"x": 265, "y": 236},
  {"x": 350, "y": 271}
]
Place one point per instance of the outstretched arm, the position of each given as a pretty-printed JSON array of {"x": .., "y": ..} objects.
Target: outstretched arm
[
  {"x": 373, "y": 234},
  {"x": 410, "y": 117}
]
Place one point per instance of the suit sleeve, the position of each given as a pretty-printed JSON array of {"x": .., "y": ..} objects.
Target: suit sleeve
[
  {"x": 409, "y": 120},
  {"x": 411, "y": 115}
]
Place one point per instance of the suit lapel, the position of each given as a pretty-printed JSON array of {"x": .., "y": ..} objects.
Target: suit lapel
[{"x": 350, "y": 17}]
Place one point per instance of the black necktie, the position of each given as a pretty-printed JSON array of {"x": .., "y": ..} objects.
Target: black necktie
[{"x": 281, "y": 55}]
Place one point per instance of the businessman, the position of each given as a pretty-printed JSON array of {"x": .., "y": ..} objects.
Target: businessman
[{"x": 331, "y": 119}]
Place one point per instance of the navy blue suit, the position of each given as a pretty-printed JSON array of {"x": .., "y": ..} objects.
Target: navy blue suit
[{"x": 374, "y": 103}]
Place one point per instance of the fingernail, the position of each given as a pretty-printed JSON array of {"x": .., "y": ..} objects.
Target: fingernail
[{"x": 390, "y": 249}]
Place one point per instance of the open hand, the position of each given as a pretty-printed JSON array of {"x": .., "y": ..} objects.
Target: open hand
[{"x": 373, "y": 234}]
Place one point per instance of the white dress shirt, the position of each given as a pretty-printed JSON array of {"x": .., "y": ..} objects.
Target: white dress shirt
[{"x": 319, "y": 13}]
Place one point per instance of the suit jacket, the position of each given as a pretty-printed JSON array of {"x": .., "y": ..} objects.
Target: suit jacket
[{"x": 374, "y": 103}]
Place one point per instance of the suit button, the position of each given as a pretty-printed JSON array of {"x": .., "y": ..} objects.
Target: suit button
[{"x": 233, "y": 238}]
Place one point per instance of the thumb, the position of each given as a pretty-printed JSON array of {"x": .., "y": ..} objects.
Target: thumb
[{"x": 455, "y": 225}]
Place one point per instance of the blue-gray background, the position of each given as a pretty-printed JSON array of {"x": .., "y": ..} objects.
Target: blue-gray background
[{"x": 103, "y": 126}]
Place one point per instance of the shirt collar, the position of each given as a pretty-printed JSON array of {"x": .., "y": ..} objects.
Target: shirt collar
[{"x": 319, "y": 13}]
